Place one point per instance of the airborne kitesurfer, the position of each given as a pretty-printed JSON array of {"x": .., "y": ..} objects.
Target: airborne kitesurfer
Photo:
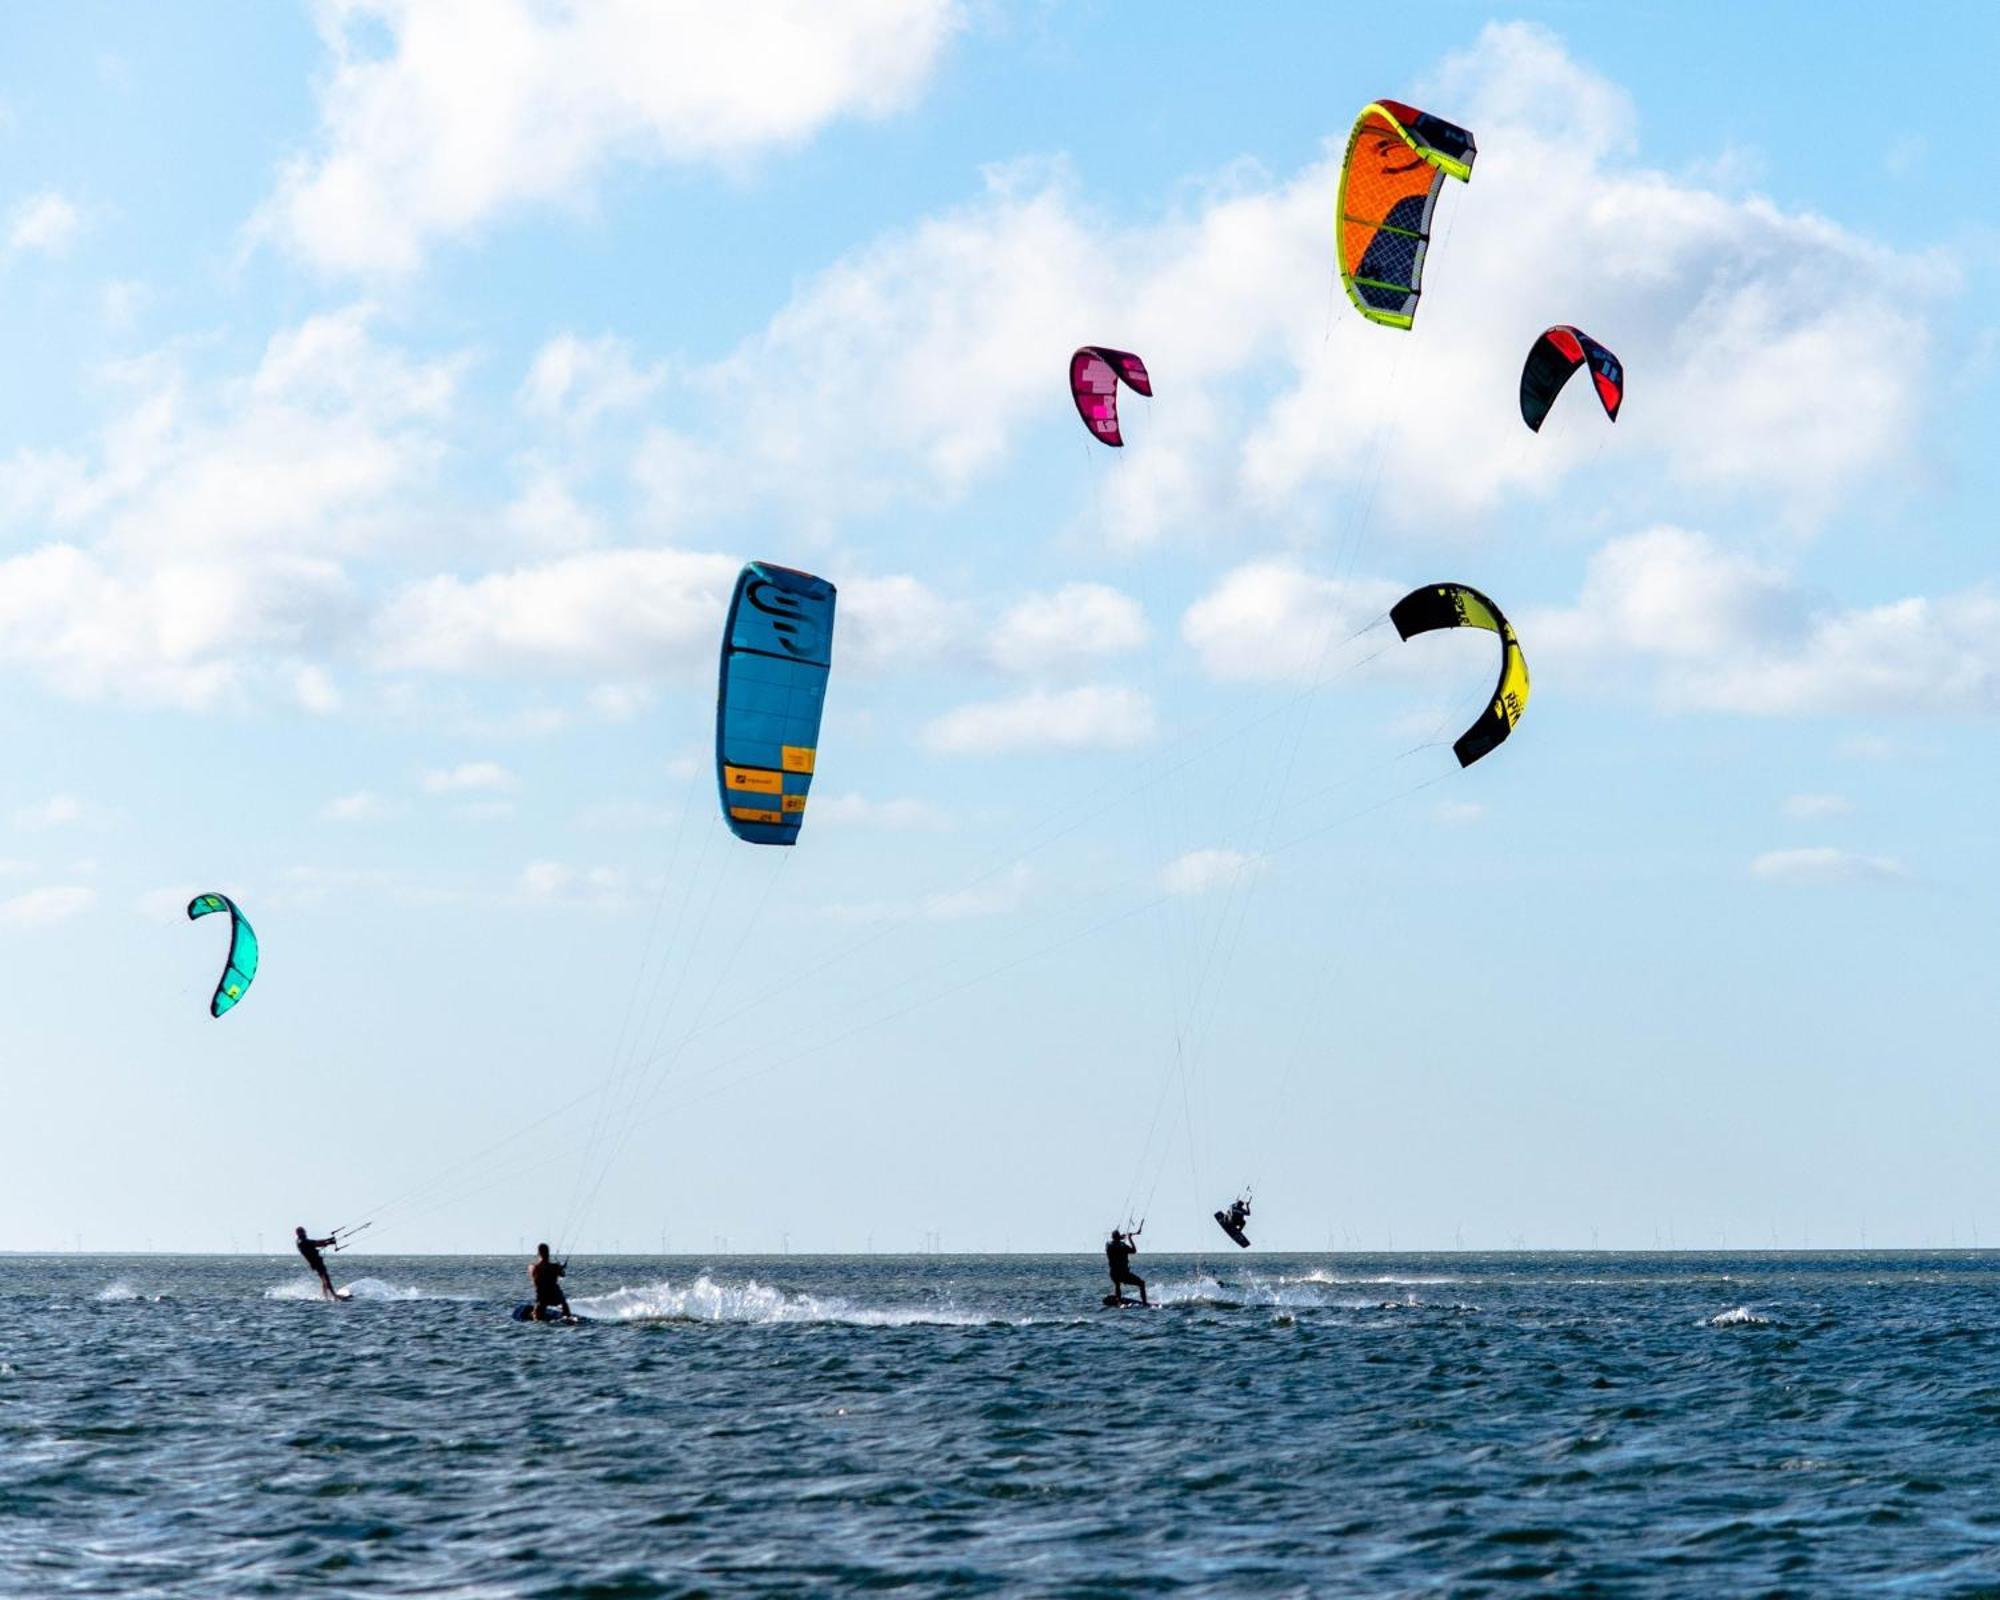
[
  {"x": 310, "y": 1248},
  {"x": 551, "y": 1304},
  {"x": 1119, "y": 1253},
  {"x": 1239, "y": 1212}
]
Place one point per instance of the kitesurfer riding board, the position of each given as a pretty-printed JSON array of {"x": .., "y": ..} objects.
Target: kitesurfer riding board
[
  {"x": 1231, "y": 1221},
  {"x": 310, "y": 1248},
  {"x": 1118, "y": 1253},
  {"x": 550, "y": 1303}
]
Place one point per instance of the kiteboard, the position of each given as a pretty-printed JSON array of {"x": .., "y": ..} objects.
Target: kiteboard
[
  {"x": 1113, "y": 1303},
  {"x": 1222, "y": 1221},
  {"x": 525, "y": 1312}
]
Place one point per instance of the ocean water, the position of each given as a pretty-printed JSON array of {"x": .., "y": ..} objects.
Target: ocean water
[{"x": 1586, "y": 1424}]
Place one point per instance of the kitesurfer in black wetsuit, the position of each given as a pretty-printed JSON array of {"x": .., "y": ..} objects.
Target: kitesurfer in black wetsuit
[
  {"x": 1119, "y": 1253},
  {"x": 1239, "y": 1212},
  {"x": 551, "y": 1304},
  {"x": 310, "y": 1249}
]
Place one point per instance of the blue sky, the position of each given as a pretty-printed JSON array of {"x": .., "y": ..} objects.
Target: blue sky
[{"x": 395, "y": 389}]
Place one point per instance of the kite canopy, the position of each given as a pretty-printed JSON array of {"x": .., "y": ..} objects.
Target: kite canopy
[
  {"x": 1554, "y": 356},
  {"x": 1456, "y": 605},
  {"x": 777, "y": 647},
  {"x": 242, "y": 964},
  {"x": 1094, "y": 375},
  {"x": 1397, "y": 159}
]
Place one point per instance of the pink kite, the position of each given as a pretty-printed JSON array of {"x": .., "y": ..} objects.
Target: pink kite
[{"x": 1093, "y": 383}]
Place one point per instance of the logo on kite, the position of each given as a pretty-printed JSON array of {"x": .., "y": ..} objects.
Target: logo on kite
[
  {"x": 241, "y": 966},
  {"x": 1397, "y": 159},
  {"x": 777, "y": 651},
  {"x": 1553, "y": 357},
  {"x": 1457, "y": 605},
  {"x": 790, "y": 626},
  {"x": 1094, "y": 376}
]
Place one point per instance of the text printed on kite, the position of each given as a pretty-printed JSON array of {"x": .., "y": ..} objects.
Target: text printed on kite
[
  {"x": 1553, "y": 358},
  {"x": 241, "y": 966},
  {"x": 777, "y": 651},
  {"x": 1397, "y": 160},
  {"x": 1094, "y": 375},
  {"x": 1458, "y": 605}
]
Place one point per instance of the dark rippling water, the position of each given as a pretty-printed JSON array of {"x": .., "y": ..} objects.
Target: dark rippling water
[{"x": 1669, "y": 1424}]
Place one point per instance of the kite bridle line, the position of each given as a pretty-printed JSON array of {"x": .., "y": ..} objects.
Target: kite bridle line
[
  {"x": 1058, "y": 822},
  {"x": 758, "y": 1062}
]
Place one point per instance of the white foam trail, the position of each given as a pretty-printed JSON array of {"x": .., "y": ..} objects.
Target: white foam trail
[
  {"x": 1321, "y": 1275},
  {"x": 376, "y": 1289},
  {"x": 1201, "y": 1291},
  {"x": 118, "y": 1291},
  {"x": 1309, "y": 1293},
  {"x": 705, "y": 1300},
  {"x": 359, "y": 1289}
]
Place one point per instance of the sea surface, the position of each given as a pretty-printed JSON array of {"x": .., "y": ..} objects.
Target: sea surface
[{"x": 1668, "y": 1424}]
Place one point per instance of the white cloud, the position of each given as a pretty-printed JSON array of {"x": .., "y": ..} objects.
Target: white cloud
[
  {"x": 620, "y": 702},
  {"x": 314, "y": 886},
  {"x": 172, "y": 633},
  {"x": 546, "y": 517},
  {"x": 895, "y": 621},
  {"x": 1199, "y": 871},
  {"x": 625, "y": 814},
  {"x": 1870, "y": 747},
  {"x": 608, "y": 612},
  {"x": 1822, "y": 865},
  {"x": 894, "y": 816},
  {"x": 1774, "y": 353},
  {"x": 1937, "y": 655},
  {"x": 204, "y": 543},
  {"x": 543, "y": 880},
  {"x": 1674, "y": 594},
  {"x": 168, "y": 904},
  {"x": 1459, "y": 813},
  {"x": 476, "y": 108},
  {"x": 39, "y": 907},
  {"x": 470, "y": 777},
  {"x": 1089, "y": 717},
  {"x": 1730, "y": 633},
  {"x": 1807, "y": 807},
  {"x": 58, "y": 811},
  {"x": 45, "y": 223},
  {"x": 314, "y": 689},
  {"x": 581, "y": 380},
  {"x": 1071, "y": 629},
  {"x": 1270, "y": 621},
  {"x": 992, "y": 897},
  {"x": 123, "y": 302},
  {"x": 600, "y": 887},
  {"x": 364, "y": 805}
]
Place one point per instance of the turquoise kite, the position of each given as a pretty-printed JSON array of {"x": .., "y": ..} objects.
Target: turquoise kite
[
  {"x": 777, "y": 648},
  {"x": 242, "y": 964}
]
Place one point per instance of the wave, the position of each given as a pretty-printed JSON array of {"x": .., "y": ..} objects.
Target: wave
[
  {"x": 706, "y": 1300},
  {"x": 1737, "y": 1317}
]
